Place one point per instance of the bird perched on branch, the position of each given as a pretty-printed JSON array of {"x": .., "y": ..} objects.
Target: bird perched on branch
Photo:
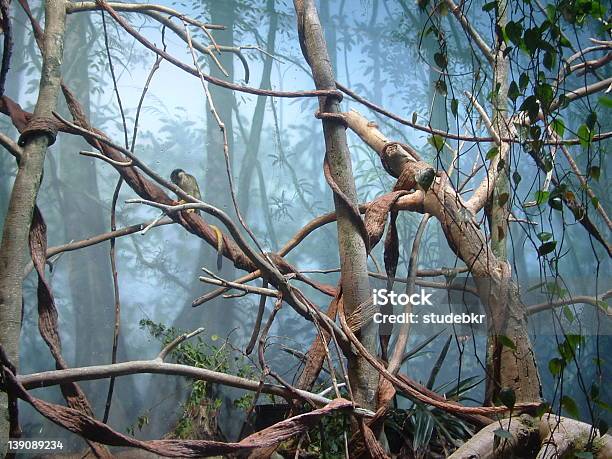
[{"x": 189, "y": 185}]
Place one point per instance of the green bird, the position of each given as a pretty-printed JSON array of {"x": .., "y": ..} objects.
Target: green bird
[{"x": 189, "y": 185}]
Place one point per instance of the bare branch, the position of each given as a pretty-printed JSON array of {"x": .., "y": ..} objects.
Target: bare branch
[
  {"x": 472, "y": 33},
  {"x": 395, "y": 362},
  {"x": 450, "y": 135},
  {"x": 483, "y": 192},
  {"x": 146, "y": 8},
  {"x": 192, "y": 71},
  {"x": 175, "y": 342},
  {"x": 110, "y": 161},
  {"x": 583, "y": 181},
  {"x": 56, "y": 377},
  {"x": 93, "y": 240},
  {"x": 11, "y": 146},
  {"x": 235, "y": 285},
  {"x": 580, "y": 299}
]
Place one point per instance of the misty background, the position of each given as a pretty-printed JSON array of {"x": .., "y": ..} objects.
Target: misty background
[{"x": 379, "y": 49}]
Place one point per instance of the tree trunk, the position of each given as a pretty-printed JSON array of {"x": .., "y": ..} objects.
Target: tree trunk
[
  {"x": 12, "y": 89},
  {"x": 353, "y": 258},
  {"x": 252, "y": 147},
  {"x": 89, "y": 279},
  {"x": 14, "y": 245},
  {"x": 515, "y": 365}
]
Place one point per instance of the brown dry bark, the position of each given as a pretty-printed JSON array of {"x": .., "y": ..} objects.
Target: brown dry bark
[{"x": 13, "y": 247}]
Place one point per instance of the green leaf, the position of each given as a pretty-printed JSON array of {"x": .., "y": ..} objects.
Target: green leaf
[
  {"x": 532, "y": 39},
  {"x": 563, "y": 101},
  {"x": 489, "y": 6},
  {"x": 437, "y": 142},
  {"x": 501, "y": 433},
  {"x": 594, "y": 392},
  {"x": 507, "y": 397},
  {"x": 532, "y": 107},
  {"x": 506, "y": 342},
  {"x": 492, "y": 153},
  {"x": 514, "y": 31},
  {"x": 569, "y": 315},
  {"x": 558, "y": 126},
  {"x": 570, "y": 406},
  {"x": 564, "y": 42},
  {"x": 585, "y": 135},
  {"x": 605, "y": 101},
  {"x": 603, "y": 405},
  {"x": 602, "y": 426},
  {"x": 555, "y": 366},
  {"x": 595, "y": 172},
  {"x": 441, "y": 60},
  {"x": 542, "y": 409},
  {"x": 523, "y": 81},
  {"x": 591, "y": 120},
  {"x": 516, "y": 177},
  {"x": 454, "y": 106},
  {"x": 546, "y": 248},
  {"x": 545, "y": 95},
  {"x": 544, "y": 236},
  {"x": 513, "y": 91},
  {"x": 441, "y": 87},
  {"x": 502, "y": 199},
  {"x": 414, "y": 117},
  {"x": 556, "y": 203},
  {"x": 550, "y": 58},
  {"x": 541, "y": 196}
]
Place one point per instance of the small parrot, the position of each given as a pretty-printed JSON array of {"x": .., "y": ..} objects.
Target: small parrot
[{"x": 189, "y": 185}]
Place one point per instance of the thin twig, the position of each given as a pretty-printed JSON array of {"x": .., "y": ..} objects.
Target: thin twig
[
  {"x": 244, "y": 287},
  {"x": 216, "y": 81},
  {"x": 11, "y": 146},
  {"x": 395, "y": 362},
  {"x": 221, "y": 124},
  {"x": 110, "y": 161},
  {"x": 175, "y": 342},
  {"x": 257, "y": 326}
]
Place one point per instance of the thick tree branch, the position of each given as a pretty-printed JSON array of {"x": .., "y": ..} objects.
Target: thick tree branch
[
  {"x": 14, "y": 245},
  {"x": 156, "y": 366},
  {"x": 339, "y": 174}
]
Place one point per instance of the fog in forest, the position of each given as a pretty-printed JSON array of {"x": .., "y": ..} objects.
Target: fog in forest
[{"x": 380, "y": 49}]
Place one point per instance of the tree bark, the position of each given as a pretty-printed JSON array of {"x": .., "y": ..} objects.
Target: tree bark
[
  {"x": 353, "y": 258},
  {"x": 515, "y": 365},
  {"x": 23, "y": 199}
]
